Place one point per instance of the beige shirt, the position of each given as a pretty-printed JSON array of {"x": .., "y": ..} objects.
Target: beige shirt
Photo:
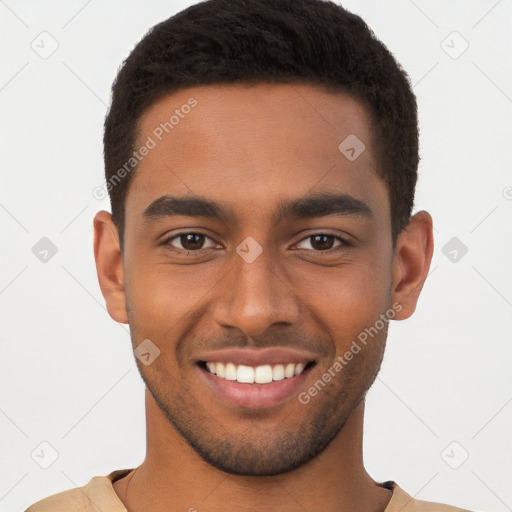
[{"x": 99, "y": 495}]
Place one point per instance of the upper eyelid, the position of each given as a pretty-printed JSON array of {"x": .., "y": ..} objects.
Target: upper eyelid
[
  {"x": 338, "y": 237},
  {"x": 181, "y": 233},
  {"x": 342, "y": 239}
]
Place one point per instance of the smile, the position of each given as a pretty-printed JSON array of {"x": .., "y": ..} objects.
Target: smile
[
  {"x": 254, "y": 378},
  {"x": 262, "y": 374}
]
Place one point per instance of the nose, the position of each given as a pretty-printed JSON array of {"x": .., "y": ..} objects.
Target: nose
[{"x": 256, "y": 296}]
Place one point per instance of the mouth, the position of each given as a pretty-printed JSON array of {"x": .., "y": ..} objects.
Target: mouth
[
  {"x": 262, "y": 374},
  {"x": 257, "y": 378}
]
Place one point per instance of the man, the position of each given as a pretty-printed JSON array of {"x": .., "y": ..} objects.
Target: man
[{"x": 261, "y": 159}]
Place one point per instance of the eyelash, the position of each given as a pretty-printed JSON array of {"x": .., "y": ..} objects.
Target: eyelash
[{"x": 344, "y": 243}]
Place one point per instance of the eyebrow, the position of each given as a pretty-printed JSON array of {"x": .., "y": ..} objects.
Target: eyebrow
[{"x": 318, "y": 205}]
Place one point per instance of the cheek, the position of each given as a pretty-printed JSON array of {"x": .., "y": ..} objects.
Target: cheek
[
  {"x": 348, "y": 299},
  {"x": 162, "y": 296}
]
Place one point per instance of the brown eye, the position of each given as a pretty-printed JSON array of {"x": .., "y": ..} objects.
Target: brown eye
[
  {"x": 189, "y": 241},
  {"x": 192, "y": 241},
  {"x": 322, "y": 242}
]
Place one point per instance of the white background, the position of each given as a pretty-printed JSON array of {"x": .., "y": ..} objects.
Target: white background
[{"x": 68, "y": 376}]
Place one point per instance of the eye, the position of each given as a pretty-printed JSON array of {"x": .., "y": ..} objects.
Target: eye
[
  {"x": 189, "y": 241},
  {"x": 323, "y": 242}
]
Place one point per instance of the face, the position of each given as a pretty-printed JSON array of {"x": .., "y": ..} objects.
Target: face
[{"x": 256, "y": 254}]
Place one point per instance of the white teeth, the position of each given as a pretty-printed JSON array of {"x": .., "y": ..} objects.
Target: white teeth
[
  {"x": 289, "y": 371},
  {"x": 245, "y": 374},
  {"x": 278, "y": 372},
  {"x": 230, "y": 372},
  {"x": 219, "y": 370},
  {"x": 259, "y": 374},
  {"x": 298, "y": 368},
  {"x": 263, "y": 374}
]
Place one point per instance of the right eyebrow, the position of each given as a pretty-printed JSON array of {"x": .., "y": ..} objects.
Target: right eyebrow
[{"x": 166, "y": 206}]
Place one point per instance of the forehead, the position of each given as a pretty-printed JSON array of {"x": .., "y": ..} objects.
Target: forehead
[{"x": 255, "y": 145}]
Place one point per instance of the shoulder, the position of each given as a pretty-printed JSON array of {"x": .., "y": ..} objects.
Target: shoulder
[
  {"x": 66, "y": 501},
  {"x": 403, "y": 502},
  {"x": 98, "y": 494}
]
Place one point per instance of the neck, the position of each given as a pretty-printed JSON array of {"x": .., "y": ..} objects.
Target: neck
[{"x": 173, "y": 477}]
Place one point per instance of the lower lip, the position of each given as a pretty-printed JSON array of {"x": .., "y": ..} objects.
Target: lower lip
[{"x": 254, "y": 396}]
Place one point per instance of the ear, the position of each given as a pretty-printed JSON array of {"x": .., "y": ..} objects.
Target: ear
[
  {"x": 411, "y": 262},
  {"x": 109, "y": 266}
]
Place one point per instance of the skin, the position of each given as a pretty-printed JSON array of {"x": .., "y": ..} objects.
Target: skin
[{"x": 250, "y": 148}]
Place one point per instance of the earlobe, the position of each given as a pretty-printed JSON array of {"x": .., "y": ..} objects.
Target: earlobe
[
  {"x": 411, "y": 263},
  {"x": 109, "y": 266}
]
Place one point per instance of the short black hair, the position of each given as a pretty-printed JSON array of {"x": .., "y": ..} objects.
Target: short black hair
[{"x": 314, "y": 42}]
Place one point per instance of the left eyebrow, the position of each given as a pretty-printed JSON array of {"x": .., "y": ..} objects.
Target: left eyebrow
[
  {"x": 321, "y": 205},
  {"x": 318, "y": 205}
]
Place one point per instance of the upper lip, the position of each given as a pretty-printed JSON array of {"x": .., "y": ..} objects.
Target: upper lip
[{"x": 257, "y": 357}]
